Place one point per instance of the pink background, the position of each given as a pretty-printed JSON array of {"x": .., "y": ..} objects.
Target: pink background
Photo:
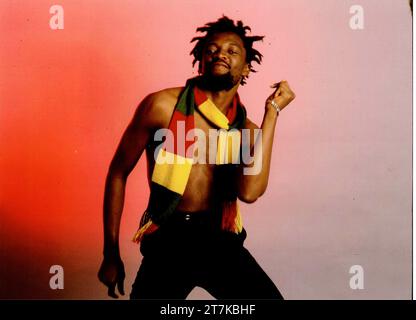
[{"x": 340, "y": 189}]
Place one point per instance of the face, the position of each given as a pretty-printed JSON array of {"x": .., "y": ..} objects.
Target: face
[{"x": 224, "y": 60}]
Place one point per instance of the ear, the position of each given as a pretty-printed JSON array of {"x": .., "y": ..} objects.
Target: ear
[{"x": 246, "y": 70}]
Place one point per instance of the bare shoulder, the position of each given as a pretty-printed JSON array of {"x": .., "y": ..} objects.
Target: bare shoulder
[
  {"x": 156, "y": 108},
  {"x": 165, "y": 96}
]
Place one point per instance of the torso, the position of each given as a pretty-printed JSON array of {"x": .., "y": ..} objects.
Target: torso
[{"x": 200, "y": 190}]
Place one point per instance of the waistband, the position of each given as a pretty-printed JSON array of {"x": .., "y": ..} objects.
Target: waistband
[{"x": 209, "y": 218}]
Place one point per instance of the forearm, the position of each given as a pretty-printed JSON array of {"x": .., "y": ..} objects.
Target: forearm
[
  {"x": 252, "y": 186},
  {"x": 113, "y": 208}
]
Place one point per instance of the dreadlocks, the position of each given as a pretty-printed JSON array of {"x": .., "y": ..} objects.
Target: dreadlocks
[{"x": 225, "y": 24}]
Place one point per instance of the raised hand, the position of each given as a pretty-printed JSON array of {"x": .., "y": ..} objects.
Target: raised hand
[{"x": 282, "y": 96}]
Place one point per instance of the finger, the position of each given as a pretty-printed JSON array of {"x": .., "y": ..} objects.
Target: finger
[
  {"x": 283, "y": 84},
  {"x": 277, "y": 92},
  {"x": 111, "y": 291},
  {"x": 276, "y": 85},
  {"x": 280, "y": 83},
  {"x": 286, "y": 87},
  {"x": 120, "y": 286}
]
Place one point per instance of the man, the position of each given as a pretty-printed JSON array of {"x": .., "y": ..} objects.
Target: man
[{"x": 191, "y": 233}]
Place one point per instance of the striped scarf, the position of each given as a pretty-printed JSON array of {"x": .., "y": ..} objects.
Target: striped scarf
[{"x": 175, "y": 158}]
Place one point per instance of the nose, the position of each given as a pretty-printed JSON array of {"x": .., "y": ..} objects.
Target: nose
[{"x": 222, "y": 55}]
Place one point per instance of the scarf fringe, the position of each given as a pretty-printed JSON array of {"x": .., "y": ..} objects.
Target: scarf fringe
[
  {"x": 149, "y": 227},
  {"x": 231, "y": 221},
  {"x": 238, "y": 221},
  {"x": 231, "y": 217}
]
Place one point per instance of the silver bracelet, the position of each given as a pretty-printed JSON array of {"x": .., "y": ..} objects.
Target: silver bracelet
[{"x": 275, "y": 106}]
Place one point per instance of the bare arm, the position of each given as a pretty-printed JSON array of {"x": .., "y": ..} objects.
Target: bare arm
[
  {"x": 252, "y": 186},
  {"x": 129, "y": 150},
  {"x": 132, "y": 144}
]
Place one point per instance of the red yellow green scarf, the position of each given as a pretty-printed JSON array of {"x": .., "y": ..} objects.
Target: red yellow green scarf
[{"x": 169, "y": 178}]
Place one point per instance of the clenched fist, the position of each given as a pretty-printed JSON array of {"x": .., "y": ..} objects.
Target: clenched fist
[{"x": 282, "y": 96}]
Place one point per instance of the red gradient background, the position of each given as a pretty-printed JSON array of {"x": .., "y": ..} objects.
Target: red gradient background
[{"x": 340, "y": 155}]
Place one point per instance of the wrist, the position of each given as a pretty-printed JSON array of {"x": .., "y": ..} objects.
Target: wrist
[
  {"x": 271, "y": 112},
  {"x": 274, "y": 105},
  {"x": 112, "y": 253}
]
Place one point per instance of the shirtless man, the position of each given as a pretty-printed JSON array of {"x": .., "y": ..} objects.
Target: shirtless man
[{"x": 178, "y": 258}]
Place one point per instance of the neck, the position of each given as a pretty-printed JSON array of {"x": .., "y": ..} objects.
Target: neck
[{"x": 222, "y": 98}]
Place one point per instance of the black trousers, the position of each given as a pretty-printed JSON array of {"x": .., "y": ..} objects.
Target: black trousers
[{"x": 191, "y": 251}]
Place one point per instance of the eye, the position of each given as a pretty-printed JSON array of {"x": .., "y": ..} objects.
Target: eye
[
  {"x": 232, "y": 51},
  {"x": 210, "y": 50}
]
